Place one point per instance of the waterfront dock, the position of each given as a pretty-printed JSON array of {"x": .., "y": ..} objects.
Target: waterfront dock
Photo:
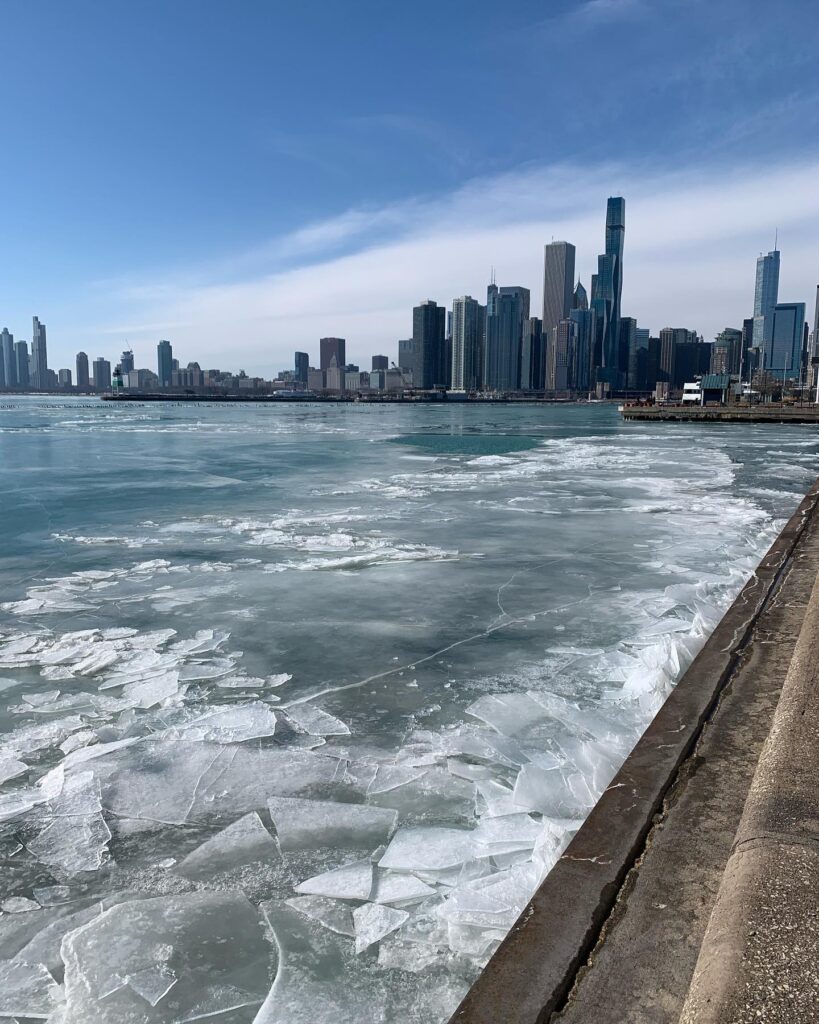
[
  {"x": 691, "y": 893},
  {"x": 722, "y": 413}
]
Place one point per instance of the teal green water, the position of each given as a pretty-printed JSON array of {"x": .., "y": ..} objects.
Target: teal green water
[{"x": 332, "y": 686}]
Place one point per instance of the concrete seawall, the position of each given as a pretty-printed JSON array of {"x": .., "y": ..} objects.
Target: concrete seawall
[{"x": 615, "y": 931}]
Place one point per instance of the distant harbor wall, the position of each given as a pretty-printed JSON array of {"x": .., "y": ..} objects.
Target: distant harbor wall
[
  {"x": 723, "y": 413},
  {"x": 544, "y": 969}
]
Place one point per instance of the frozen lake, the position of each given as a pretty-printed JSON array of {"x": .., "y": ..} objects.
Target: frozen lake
[{"x": 299, "y": 704}]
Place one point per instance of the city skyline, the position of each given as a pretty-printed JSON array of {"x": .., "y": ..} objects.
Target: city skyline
[{"x": 393, "y": 194}]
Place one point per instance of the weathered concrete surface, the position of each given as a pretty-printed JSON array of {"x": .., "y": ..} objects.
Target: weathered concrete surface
[
  {"x": 760, "y": 955},
  {"x": 651, "y": 919}
]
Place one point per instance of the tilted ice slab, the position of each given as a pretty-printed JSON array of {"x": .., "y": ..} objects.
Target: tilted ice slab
[
  {"x": 306, "y": 824},
  {"x": 243, "y": 842},
  {"x": 207, "y": 949}
]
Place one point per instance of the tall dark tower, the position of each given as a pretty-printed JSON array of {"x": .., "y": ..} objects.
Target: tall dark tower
[{"x": 607, "y": 289}]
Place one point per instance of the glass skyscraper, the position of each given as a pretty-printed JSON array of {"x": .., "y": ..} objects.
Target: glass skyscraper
[
  {"x": 164, "y": 364},
  {"x": 783, "y": 353},
  {"x": 766, "y": 296},
  {"x": 428, "y": 327},
  {"x": 558, "y": 283},
  {"x": 39, "y": 356},
  {"x": 607, "y": 288},
  {"x": 506, "y": 310},
  {"x": 8, "y": 362}
]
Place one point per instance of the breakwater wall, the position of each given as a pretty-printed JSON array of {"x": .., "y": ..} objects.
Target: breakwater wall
[{"x": 723, "y": 413}]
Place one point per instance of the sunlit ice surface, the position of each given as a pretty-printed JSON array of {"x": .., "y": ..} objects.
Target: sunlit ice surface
[{"x": 298, "y": 705}]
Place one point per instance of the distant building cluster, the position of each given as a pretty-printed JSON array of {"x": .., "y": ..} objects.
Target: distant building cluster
[{"x": 580, "y": 345}]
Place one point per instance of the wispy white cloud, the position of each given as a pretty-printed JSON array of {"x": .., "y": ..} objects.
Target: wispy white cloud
[
  {"x": 595, "y": 11},
  {"x": 691, "y": 243}
]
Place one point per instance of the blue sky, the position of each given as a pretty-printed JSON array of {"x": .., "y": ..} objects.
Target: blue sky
[{"x": 244, "y": 177}]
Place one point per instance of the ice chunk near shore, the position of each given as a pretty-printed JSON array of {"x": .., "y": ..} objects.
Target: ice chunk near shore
[
  {"x": 329, "y": 913},
  {"x": 351, "y": 882},
  {"x": 243, "y": 842},
  {"x": 399, "y": 888},
  {"x": 77, "y": 836},
  {"x": 205, "y": 948},
  {"x": 11, "y": 768},
  {"x": 373, "y": 922},
  {"x": 316, "y": 981},
  {"x": 427, "y": 848},
  {"x": 508, "y": 713},
  {"x": 233, "y": 724},
  {"x": 314, "y": 721},
  {"x": 306, "y": 824},
  {"x": 27, "y": 990}
]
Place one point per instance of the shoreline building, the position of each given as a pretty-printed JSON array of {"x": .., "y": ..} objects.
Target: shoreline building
[
  {"x": 506, "y": 311},
  {"x": 22, "y": 363},
  {"x": 332, "y": 348},
  {"x": 164, "y": 363},
  {"x": 766, "y": 296},
  {"x": 558, "y": 284},
  {"x": 39, "y": 356},
  {"x": 532, "y": 355},
  {"x": 428, "y": 328},
  {"x": 102, "y": 374},
  {"x": 126, "y": 361},
  {"x": 8, "y": 360},
  {"x": 83, "y": 379},
  {"x": 783, "y": 353},
  {"x": 606, "y": 295},
  {"x": 302, "y": 367},
  {"x": 468, "y": 335}
]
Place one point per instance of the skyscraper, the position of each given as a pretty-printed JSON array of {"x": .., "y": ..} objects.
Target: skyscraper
[
  {"x": 783, "y": 353},
  {"x": 329, "y": 347},
  {"x": 428, "y": 326},
  {"x": 532, "y": 355},
  {"x": 102, "y": 374},
  {"x": 638, "y": 361},
  {"x": 560, "y": 356},
  {"x": 584, "y": 321},
  {"x": 164, "y": 364},
  {"x": 82, "y": 370},
  {"x": 815, "y": 348},
  {"x": 766, "y": 296},
  {"x": 39, "y": 356},
  {"x": 558, "y": 283},
  {"x": 506, "y": 310},
  {"x": 607, "y": 288},
  {"x": 302, "y": 366},
  {"x": 468, "y": 329},
  {"x": 22, "y": 364},
  {"x": 381, "y": 363},
  {"x": 126, "y": 361},
  {"x": 64, "y": 377},
  {"x": 580, "y": 299},
  {"x": 8, "y": 362}
]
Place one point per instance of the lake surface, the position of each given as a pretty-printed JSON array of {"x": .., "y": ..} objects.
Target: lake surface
[{"x": 299, "y": 704}]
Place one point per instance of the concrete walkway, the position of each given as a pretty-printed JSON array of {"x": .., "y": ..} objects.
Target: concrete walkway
[{"x": 619, "y": 931}]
